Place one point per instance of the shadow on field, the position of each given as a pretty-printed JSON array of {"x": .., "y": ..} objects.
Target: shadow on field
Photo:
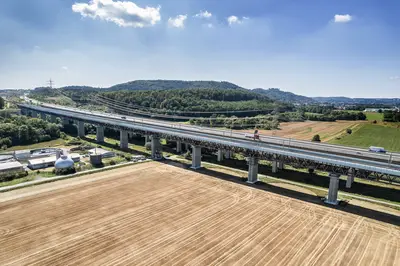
[
  {"x": 361, "y": 211},
  {"x": 363, "y": 189}
]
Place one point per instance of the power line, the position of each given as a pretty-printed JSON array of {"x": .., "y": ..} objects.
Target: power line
[{"x": 50, "y": 83}]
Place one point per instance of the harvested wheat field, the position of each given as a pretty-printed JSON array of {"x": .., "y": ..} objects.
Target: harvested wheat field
[
  {"x": 157, "y": 214},
  {"x": 306, "y": 130}
]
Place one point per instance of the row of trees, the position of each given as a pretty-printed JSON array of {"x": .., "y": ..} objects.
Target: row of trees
[
  {"x": 17, "y": 130},
  {"x": 391, "y": 116},
  {"x": 260, "y": 122}
]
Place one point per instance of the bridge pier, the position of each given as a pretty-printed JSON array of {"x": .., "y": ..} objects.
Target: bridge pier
[
  {"x": 33, "y": 114},
  {"x": 65, "y": 121},
  {"x": 123, "y": 140},
  {"x": 274, "y": 167},
  {"x": 99, "y": 134},
  {"x": 350, "y": 178},
  {"x": 43, "y": 116},
  {"x": 156, "y": 151},
  {"x": 228, "y": 154},
  {"x": 220, "y": 155},
  {"x": 81, "y": 128},
  {"x": 146, "y": 138},
  {"x": 253, "y": 170},
  {"x": 333, "y": 189},
  {"x": 186, "y": 147},
  {"x": 53, "y": 119},
  {"x": 23, "y": 111},
  {"x": 281, "y": 165},
  {"x": 196, "y": 157},
  {"x": 178, "y": 146}
]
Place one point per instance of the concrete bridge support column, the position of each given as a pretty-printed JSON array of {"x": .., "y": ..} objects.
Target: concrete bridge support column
[
  {"x": 53, "y": 119},
  {"x": 178, "y": 146},
  {"x": 23, "y": 111},
  {"x": 220, "y": 155},
  {"x": 43, "y": 116},
  {"x": 33, "y": 114},
  {"x": 156, "y": 149},
  {"x": 253, "y": 170},
  {"x": 228, "y": 154},
  {"x": 333, "y": 189},
  {"x": 196, "y": 157},
  {"x": 146, "y": 138},
  {"x": 274, "y": 167},
  {"x": 350, "y": 178},
  {"x": 186, "y": 147},
  {"x": 65, "y": 121},
  {"x": 99, "y": 134},
  {"x": 81, "y": 128},
  {"x": 123, "y": 139},
  {"x": 281, "y": 165}
]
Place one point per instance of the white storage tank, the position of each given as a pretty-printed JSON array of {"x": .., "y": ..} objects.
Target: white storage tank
[{"x": 64, "y": 162}]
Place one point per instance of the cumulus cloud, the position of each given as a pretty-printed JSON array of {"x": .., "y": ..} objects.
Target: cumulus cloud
[
  {"x": 65, "y": 68},
  {"x": 122, "y": 13},
  {"x": 394, "y": 78},
  {"x": 203, "y": 14},
  {"x": 342, "y": 18},
  {"x": 178, "y": 21},
  {"x": 235, "y": 20}
]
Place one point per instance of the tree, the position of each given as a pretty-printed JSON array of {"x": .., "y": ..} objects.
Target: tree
[
  {"x": 2, "y": 103},
  {"x": 316, "y": 138},
  {"x": 23, "y": 134}
]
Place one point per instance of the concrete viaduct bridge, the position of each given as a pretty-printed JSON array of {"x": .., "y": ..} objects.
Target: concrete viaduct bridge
[{"x": 336, "y": 163}]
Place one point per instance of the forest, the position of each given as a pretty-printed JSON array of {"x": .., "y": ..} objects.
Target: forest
[{"x": 22, "y": 130}]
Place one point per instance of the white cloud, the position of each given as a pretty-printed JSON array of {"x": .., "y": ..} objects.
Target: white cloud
[
  {"x": 36, "y": 47},
  {"x": 64, "y": 68},
  {"x": 394, "y": 78},
  {"x": 203, "y": 14},
  {"x": 178, "y": 21},
  {"x": 122, "y": 13},
  {"x": 210, "y": 25},
  {"x": 342, "y": 18},
  {"x": 235, "y": 20}
]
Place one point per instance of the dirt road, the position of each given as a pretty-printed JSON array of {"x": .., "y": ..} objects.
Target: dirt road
[{"x": 156, "y": 214}]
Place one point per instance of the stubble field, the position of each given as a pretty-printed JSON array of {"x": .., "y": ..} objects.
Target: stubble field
[{"x": 157, "y": 214}]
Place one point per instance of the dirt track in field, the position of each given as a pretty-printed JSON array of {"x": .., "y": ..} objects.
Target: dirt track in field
[{"x": 156, "y": 214}]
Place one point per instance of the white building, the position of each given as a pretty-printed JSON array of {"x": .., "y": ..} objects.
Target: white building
[
  {"x": 41, "y": 163},
  {"x": 104, "y": 153},
  {"x": 10, "y": 167}
]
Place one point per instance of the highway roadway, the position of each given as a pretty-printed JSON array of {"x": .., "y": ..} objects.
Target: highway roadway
[
  {"x": 389, "y": 158},
  {"x": 227, "y": 138}
]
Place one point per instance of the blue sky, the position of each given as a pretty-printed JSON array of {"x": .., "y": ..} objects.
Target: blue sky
[{"x": 309, "y": 47}]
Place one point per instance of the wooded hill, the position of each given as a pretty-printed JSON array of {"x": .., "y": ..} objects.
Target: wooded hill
[
  {"x": 166, "y": 96},
  {"x": 285, "y": 96}
]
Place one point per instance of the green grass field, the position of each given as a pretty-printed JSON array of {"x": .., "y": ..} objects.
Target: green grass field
[
  {"x": 371, "y": 116},
  {"x": 374, "y": 116},
  {"x": 51, "y": 143},
  {"x": 372, "y": 135}
]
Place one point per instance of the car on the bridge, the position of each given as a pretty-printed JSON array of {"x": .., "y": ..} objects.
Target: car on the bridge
[{"x": 377, "y": 149}]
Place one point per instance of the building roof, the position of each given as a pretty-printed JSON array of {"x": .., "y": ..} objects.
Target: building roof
[
  {"x": 99, "y": 151},
  {"x": 50, "y": 159},
  {"x": 10, "y": 165}
]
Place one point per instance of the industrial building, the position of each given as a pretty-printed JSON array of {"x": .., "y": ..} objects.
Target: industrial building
[
  {"x": 41, "y": 163},
  {"x": 10, "y": 167},
  {"x": 104, "y": 153}
]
